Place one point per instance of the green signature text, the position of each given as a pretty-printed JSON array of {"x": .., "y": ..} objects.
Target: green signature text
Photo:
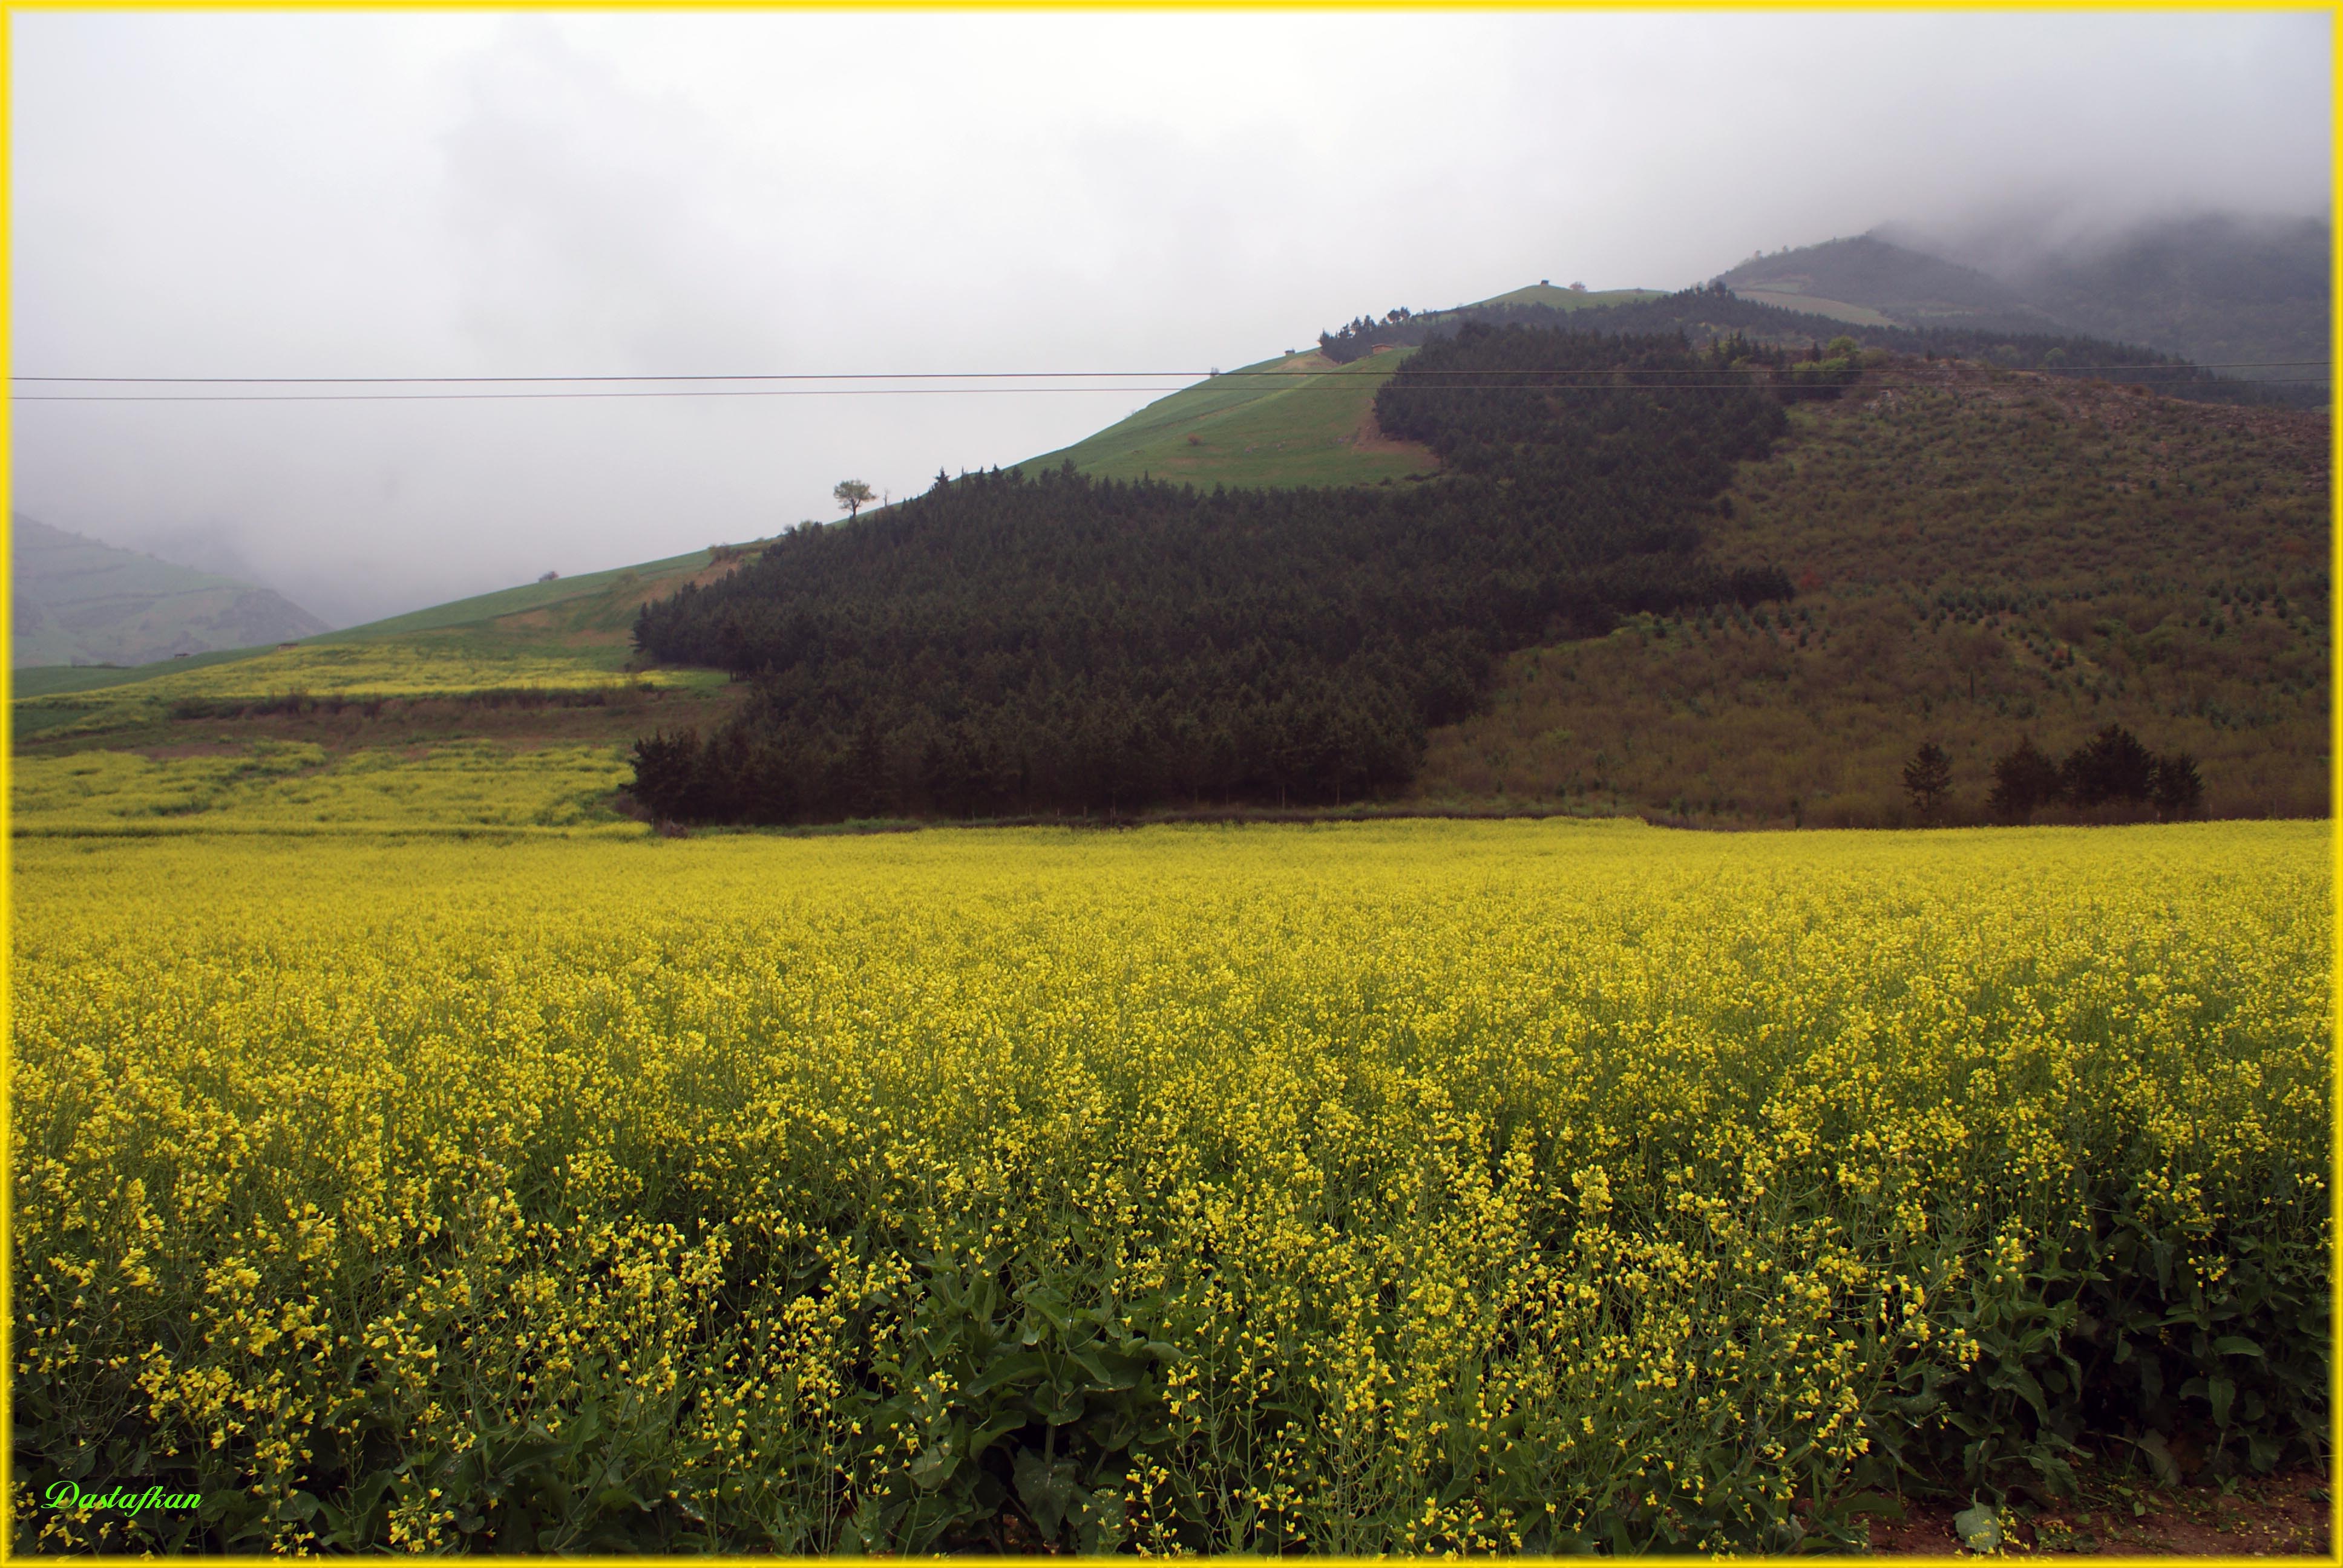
[{"x": 65, "y": 1494}]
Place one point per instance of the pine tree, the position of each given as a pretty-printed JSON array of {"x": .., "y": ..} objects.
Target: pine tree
[
  {"x": 2024, "y": 779},
  {"x": 2179, "y": 790},
  {"x": 1928, "y": 778}
]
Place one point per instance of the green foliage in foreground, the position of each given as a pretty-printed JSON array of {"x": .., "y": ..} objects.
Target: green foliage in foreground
[{"x": 1356, "y": 1189}]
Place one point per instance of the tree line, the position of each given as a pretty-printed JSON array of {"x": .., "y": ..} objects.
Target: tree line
[
  {"x": 1014, "y": 644},
  {"x": 1712, "y": 311},
  {"x": 2113, "y": 768}
]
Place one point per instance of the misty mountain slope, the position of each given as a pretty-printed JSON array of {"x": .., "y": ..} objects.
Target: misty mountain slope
[
  {"x": 2218, "y": 290},
  {"x": 1980, "y": 557},
  {"x": 1907, "y": 286},
  {"x": 77, "y": 600}
]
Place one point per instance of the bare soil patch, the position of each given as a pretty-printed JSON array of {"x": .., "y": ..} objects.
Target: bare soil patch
[
  {"x": 1367, "y": 436},
  {"x": 2285, "y": 1515}
]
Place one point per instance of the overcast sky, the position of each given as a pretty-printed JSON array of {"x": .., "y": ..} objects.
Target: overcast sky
[{"x": 340, "y": 194}]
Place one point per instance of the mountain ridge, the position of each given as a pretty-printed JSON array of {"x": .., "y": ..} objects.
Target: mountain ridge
[
  {"x": 79, "y": 600},
  {"x": 2241, "y": 294}
]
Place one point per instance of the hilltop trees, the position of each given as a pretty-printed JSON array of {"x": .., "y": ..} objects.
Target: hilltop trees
[
  {"x": 1713, "y": 312},
  {"x": 851, "y": 495}
]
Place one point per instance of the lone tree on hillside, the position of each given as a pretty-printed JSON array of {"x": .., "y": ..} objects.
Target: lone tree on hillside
[
  {"x": 1927, "y": 777},
  {"x": 850, "y": 494}
]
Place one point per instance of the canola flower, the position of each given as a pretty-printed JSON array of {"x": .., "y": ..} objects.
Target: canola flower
[
  {"x": 412, "y": 667},
  {"x": 417, "y": 668},
  {"x": 294, "y": 787},
  {"x": 1401, "y": 1187}
]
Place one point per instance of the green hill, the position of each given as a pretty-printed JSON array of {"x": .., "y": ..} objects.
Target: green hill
[{"x": 77, "y": 601}]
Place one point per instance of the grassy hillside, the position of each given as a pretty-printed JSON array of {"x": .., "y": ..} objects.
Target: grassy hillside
[
  {"x": 582, "y": 602},
  {"x": 76, "y": 601},
  {"x": 1555, "y": 298},
  {"x": 1255, "y": 428},
  {"x": 1299, "y": 419},
  {"x": 1982, "y": 557}
]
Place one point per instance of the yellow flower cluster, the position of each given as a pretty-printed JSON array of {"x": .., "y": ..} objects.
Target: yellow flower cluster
[
  {"x": 449, "y": 666},
  {"x": 413, "y": 667},
  {"x": 1365, "y": 1187}
]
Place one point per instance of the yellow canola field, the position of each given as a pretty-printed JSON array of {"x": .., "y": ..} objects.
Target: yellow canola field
[
  {"x": 1362, "y": 1188},
  {"x": 295, "y": 787},
  {"x": 418, "y": 668}
]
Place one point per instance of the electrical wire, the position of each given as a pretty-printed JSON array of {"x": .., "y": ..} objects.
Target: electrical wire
[
  {"x": 932, "y": 376},
  {"x": 1744, "y": 383}
]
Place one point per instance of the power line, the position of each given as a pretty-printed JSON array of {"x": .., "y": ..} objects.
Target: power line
[
  {"x": 1741, "y": 384},
  {"x": 942, "y": 376},
  {"x": 523, "y": 397}
]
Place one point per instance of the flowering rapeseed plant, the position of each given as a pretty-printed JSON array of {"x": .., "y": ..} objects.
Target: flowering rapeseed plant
[{"x": 1360, "y": 1188}]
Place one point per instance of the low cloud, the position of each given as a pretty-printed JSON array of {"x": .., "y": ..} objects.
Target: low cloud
[{"x": 353, "y": 193}]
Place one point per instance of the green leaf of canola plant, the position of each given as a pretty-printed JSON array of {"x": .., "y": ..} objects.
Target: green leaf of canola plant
[
  {"x": 2159, "y": 1458},
  {"x": 1046, "y": 1487},
  {"x": 1979, "y": 1530},
  {"x": 934, "y": 1467}
]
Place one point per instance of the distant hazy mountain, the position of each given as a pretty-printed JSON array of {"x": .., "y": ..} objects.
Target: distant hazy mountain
[
  {"x": 79, "y": 601},
  {"x": 2219, "y": 290},
  {"x": 1908, "y": 287}
]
